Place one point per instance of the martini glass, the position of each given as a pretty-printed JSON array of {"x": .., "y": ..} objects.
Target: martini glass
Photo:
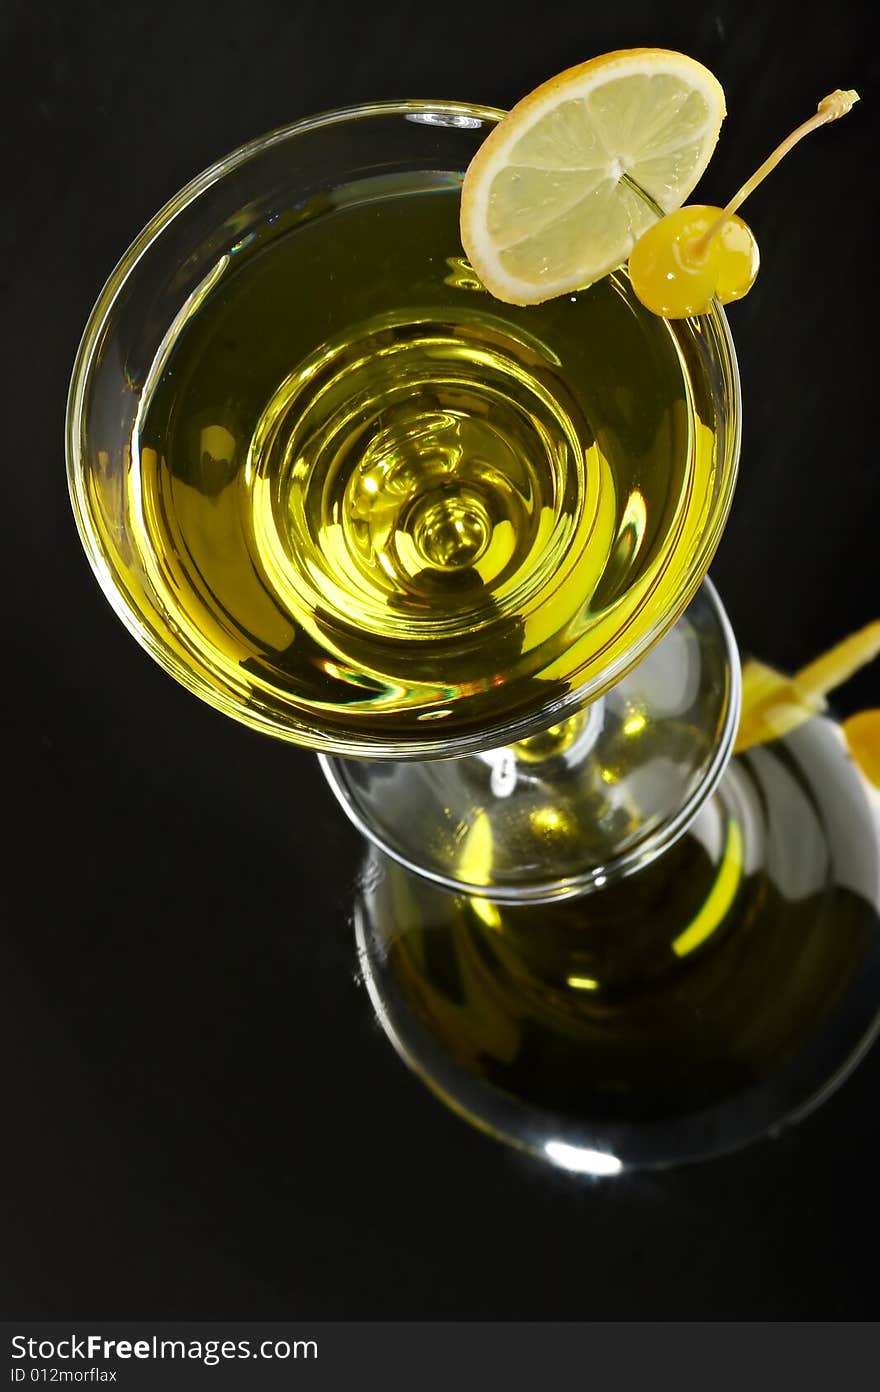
[{"x": 460, "y": 549}]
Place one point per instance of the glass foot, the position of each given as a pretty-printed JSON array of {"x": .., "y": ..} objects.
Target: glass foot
[
  {"x": 574, "y": 807},
  {"x": 709, "y": 999}
]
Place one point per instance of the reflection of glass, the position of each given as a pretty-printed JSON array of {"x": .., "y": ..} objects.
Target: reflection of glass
[
  {"x": 720, "y": 993},
  {"x": 349, "y": 499}
]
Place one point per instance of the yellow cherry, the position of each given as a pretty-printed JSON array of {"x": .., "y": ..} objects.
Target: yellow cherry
[
  {"x": 694, "y": 254},
  {"x": 739, "y": 261},
  {"x": 673, "y": 276}
]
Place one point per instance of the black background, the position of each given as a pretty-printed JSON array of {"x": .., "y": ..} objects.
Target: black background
[{"x": 202, "y": 1119}]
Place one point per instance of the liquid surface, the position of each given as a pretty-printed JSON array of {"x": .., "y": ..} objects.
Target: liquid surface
[{"x": 369, "y": 497}]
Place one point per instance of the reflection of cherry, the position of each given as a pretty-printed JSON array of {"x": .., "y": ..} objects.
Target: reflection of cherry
[
  {"x": 695, "y": 254},
  {"x": 862, "y": 733}
]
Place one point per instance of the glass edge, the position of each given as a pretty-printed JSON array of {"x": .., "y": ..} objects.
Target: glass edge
[
  {"x": 303, "y": 737},
  {"x": 171, "y": 209}
]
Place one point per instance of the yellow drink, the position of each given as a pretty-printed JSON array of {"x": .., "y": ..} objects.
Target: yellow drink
[{"x": 367, "y": 497}]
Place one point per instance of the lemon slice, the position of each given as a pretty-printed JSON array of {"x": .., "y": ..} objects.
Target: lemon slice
[{"x": 546, "y": 204}]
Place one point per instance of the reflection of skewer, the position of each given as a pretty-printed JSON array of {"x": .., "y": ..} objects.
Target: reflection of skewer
[
  {"x": 774, "y": 704},
  {"x": 842, "y": 661}
]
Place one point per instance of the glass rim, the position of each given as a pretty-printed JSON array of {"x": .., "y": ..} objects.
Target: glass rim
[
  {"x": 299, "y": 732},
  {"x": 198, "y": 185}
]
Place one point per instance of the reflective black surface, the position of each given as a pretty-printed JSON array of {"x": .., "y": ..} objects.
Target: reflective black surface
[{"x": 202, "y": 1117}]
